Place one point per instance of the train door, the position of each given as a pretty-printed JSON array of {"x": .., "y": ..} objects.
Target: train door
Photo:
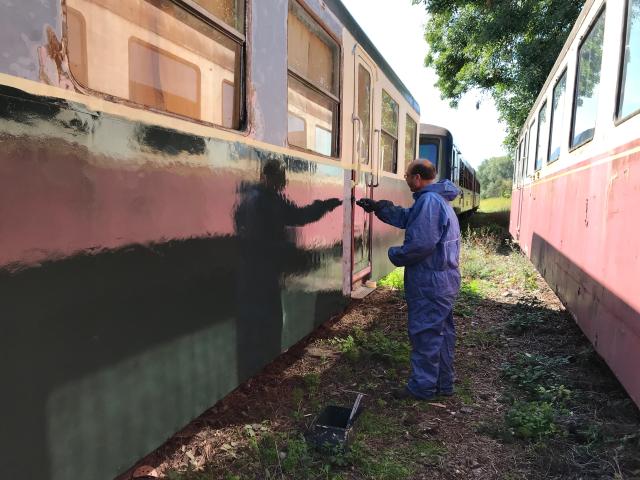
[
  {"x": 520, "y": 172},
  {"x": 365, "y": 173}
]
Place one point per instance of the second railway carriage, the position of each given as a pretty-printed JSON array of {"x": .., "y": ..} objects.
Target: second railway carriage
[
  {"x": 177, "y": 187},
  {"x": 436, "y": 145},
  {"x": 576, "y": 190}
]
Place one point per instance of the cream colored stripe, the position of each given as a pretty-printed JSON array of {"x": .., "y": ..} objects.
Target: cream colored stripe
[
  {"x": 584, "y": 167},
  {"x": 141, "y": 115}
]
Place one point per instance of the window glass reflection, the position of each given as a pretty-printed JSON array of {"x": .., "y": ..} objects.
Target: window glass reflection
[
  {"x": 411, "y": 129},
  {"x": 586, "y": 96},
  {"x": 557, "y": 116},
  {"x": 389, "y": 135},
  {"x": 630, "y": 88},
  {"x": 156, "y": 54},
  {"x": 543, "y": 136}
]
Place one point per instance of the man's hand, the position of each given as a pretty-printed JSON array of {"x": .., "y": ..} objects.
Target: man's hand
[{"x": 368, "y": 205}]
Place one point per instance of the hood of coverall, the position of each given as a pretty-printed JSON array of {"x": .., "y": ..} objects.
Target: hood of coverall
[{"x": 445, "y": 188}]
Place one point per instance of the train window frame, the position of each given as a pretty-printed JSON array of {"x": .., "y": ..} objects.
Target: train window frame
[
  {"x": 543, "y": 108},
  {"x": 564, "y": 75},
  {"x": 533, "y": 128},
  {"x": 203, "y": 15},
  {"x": 383, "y": 131},
  {"x": 298, "y": 77},
  {"x": 525, "y": 160},
  {"x": 620, "y": 87},
  {"x": 414, "y": 141},
  {"x": 576, "y": 80}
]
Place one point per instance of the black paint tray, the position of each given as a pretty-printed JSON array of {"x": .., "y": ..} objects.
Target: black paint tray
[{"x": 333, "y": 429}]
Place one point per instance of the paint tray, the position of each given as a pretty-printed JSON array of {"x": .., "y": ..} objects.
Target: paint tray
[{"x": 333, "y": 429}]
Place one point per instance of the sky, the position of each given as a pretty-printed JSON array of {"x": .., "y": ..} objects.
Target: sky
[{"x": 396, "y": 28}]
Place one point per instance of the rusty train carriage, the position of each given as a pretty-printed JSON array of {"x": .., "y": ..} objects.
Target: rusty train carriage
[
  {"x": 133, "y": 135},
  {"x": 577, "y": 182}
]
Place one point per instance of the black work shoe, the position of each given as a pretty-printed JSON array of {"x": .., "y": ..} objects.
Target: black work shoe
[
  {"x": 404, "y": 394},
  {"x": 445, "y": 394}
]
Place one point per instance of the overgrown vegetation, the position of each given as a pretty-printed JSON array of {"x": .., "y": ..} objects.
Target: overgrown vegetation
[{"x": 495, "y": 175}]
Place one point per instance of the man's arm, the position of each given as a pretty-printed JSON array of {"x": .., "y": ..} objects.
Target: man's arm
[
  {"x": 386, "y": 211},
  {"x": 298, "y": 216},
  {"x": 424, "y": 229},
  {"x": 392, "y": 214}
]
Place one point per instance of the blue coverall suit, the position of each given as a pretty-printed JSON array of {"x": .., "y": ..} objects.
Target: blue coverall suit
[{"x": 431, "y": 280}]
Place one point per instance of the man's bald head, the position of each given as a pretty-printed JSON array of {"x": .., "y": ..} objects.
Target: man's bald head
[
  {"x": 424, "y": 168},
  {"x": 420, "y": 173}
]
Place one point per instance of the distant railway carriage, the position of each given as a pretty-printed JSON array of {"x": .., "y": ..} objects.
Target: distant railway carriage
[
  {"x": 437, "y": 146},
  {"x": 169, "y": 177},
  {"x": 576, "y": 188}
]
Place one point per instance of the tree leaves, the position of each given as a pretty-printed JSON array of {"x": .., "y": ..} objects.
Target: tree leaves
[{"x": 505, "y": 47}]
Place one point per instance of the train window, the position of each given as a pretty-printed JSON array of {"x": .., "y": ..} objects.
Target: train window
[
  {"x": 297, "y": 131},
  {"x": 389, "y": 136},
  {"x": 543, "y": 137},
  {"x": 313, "y": 76},
  {"x": 228, "y": 103},
  {"x": 410, "y": 131},
  {"x": 531, "y": 151},
  {"x": 629, "y": 96},
  {"x": 323, "y": 141},
  {"x": 231, "y": 12},
  {"x": 429, "y": 151},
  {"x": 163, "y": 81},
  {"x": 557, "y": 116},
  {"x": 525, "y": 160},
  {"x": 587, "y": 86},
  {"x": 77, "y": 50},
  {"x": 364, "y": 110},
  {"x": 163, "y": 57}
]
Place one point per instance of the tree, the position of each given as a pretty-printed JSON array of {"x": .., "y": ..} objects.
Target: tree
[
  {"x": 495, "y": 175},
  {"x": 504, "y": 47}
]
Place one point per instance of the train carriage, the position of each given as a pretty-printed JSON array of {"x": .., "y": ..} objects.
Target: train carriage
[
  {"x": 577, "y": 182},
  {"x": 437, "y": 146},
  {"x": 170, "y": 179}
]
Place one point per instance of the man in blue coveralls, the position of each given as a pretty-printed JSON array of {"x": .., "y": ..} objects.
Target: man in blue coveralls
[{"x": 431, "y": 277}]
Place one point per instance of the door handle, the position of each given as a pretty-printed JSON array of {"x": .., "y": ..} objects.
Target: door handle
[{"x": 355, "y": 119}]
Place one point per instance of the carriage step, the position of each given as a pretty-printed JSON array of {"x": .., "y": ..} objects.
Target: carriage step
[{"x": 361, "y": 292}]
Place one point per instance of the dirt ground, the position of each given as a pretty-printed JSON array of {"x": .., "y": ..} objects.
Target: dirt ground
[{"x": 533, "y": 400}]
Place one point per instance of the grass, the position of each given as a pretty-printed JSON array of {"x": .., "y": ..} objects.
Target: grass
[{"x": 495, "y": 204}]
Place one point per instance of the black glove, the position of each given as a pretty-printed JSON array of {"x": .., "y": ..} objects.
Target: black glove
[
  {"x": 368, "y": 205},
  {"x": 332, "y": 203}
]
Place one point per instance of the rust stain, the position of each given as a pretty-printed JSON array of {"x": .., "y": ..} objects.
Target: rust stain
[{"x": 53, "y": 61}]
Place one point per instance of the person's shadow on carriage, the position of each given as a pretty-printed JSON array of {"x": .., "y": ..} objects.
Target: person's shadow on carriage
[{"x": 267, "y": 253}]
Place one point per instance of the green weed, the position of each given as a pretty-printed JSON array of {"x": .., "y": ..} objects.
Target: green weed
[
  {"x": 532, "y": 420},
  {"x": 379, "y": 465},
  {"x": 528, "y": 372},
  {"x": 381, "y": 346},
  {"x": 347, "y": 346},
  {"x": 395, "y": 280},
  {"x": 526, "y": 316},
  {"x": 470, "y": 295},
  {"x": 378, "y": 425}
]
